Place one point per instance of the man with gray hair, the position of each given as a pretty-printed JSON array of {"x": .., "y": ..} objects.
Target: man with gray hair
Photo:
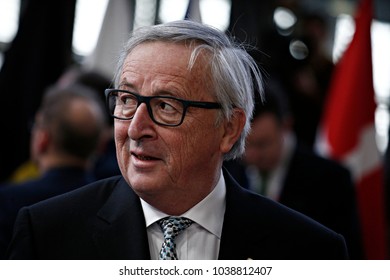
[{"x": 182, "y": 102}]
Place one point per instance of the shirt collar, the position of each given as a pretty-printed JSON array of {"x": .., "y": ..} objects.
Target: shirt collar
[{"x": 214, "y": 203}]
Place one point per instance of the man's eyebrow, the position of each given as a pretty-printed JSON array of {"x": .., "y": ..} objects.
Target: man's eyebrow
[
  {"x": 125, "y": 83},
  {"x": 165, "y": 93}
]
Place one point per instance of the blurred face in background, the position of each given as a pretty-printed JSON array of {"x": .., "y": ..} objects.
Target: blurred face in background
[{"x": 265, "y": 142}]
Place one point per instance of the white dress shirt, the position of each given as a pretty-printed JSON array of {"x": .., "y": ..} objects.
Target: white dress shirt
[
  {"x": 276, "y": 176},
  {"x": 202, "y": 239}
]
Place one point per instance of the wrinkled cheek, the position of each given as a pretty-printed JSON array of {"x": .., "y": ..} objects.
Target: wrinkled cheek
[
  {"x": 187, "y": 156},
  {"x": 122, "y": 156},
  {"x": 122, "y": 146},
  {"x": 175, "y": 158}
]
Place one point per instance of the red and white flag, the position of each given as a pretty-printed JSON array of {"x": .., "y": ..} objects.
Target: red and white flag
[{"x": 347, "y": 132}]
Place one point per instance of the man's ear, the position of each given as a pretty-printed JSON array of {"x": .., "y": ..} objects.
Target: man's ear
[
  {"x": 42, "y": 140},
  {"x": 232, "y": 130}
]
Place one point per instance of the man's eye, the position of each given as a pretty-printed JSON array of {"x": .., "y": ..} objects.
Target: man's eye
[
  {"x": 165, "y": 106},
  {"x": 127, "y": 100}
]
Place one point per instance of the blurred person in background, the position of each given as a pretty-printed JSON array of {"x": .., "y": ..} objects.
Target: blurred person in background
[
  {"x": 105, "y": 162},
  {"x": 65, "y": 136},
  {"x": 277, "y": 166}
]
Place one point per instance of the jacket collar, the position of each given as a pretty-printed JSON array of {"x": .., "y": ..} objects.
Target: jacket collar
[{"x": 120, "y": 226}]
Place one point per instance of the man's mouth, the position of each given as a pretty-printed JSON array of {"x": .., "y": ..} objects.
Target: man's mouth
[{"x": 141, "y": 157}]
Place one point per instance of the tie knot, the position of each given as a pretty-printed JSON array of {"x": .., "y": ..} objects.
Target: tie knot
[{"x": 173, "y": 226}]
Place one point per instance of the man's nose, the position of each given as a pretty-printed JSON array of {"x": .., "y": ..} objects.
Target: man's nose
[{"x": 141, "y": 124}]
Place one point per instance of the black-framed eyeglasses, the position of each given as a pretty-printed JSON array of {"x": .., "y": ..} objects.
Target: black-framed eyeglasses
[{"x": 163, "y": 110}]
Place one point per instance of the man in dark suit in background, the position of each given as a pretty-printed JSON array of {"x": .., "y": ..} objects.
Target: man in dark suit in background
[
  {"x": 277, "y": 166},
  {"x": 182, "y": 102},
  {"x": 65, "y": 135}
]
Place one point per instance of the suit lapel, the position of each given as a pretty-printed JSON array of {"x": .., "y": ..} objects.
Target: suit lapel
[{"x": 120, "y": 226}]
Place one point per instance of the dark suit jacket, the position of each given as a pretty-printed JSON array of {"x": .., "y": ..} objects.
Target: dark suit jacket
[
  {"x": 321, "y": 189},
  {"x": 105, "y": 221},
  {"x": 13, "y": 197}
]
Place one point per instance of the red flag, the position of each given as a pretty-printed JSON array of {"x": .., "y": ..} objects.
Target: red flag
[{"x": 347, "y": 132}]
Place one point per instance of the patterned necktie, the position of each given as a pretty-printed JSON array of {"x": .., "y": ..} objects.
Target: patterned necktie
[{"x": 171, "y": 227}]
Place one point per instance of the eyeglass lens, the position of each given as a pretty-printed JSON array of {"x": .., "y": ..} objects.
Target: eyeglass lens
[{"x": 163, "y": 110}]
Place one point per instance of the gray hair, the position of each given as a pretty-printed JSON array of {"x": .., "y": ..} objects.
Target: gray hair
[{"x": 235, "y": 74}]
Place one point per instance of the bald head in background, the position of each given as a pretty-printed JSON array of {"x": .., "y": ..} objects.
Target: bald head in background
[{"x": 67, "y": 128}]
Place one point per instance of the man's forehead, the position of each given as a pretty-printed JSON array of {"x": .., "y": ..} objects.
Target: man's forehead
[{"x": 168, "y": 56}]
